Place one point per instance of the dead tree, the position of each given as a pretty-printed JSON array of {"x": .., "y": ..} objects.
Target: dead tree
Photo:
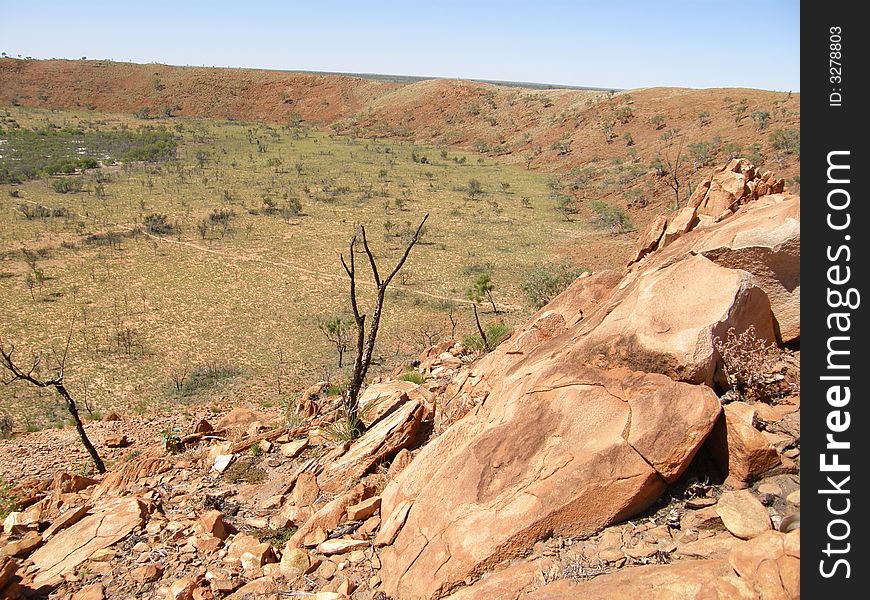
[
  {"x": 56, "y": 381},
  {"x": 673, "y": 179},
  {"x": 365, "y": 343}
]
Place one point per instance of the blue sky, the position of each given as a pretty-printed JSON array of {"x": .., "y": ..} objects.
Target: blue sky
[{"x": 616, "y": 43}]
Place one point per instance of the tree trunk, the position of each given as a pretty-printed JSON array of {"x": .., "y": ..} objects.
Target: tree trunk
[
  {"x": 480, "y": 329},
  {"x": 491, "y": 301},
  {"x": 73, "y": 410}
]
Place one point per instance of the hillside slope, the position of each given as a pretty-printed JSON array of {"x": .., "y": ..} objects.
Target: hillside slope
[{"x": 601, "y": 145}]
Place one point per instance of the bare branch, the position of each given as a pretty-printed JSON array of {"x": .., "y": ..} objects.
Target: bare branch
[{"x": 371, "y": 257}]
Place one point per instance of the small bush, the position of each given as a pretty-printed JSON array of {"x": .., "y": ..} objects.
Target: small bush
[
  {"x": 611, "y": 217},
  {"x": 474, "y": 188},
  {"x": 749, "y": 363},
  {"x": 787, "y": 140},
  {"x": 170, "y": 440},
  {"x": 244, "y": 471},
  {"x": 203, "y": 377},
  {"x": 8, "y": 500},
  {"x": 39, "y": 211},
  {"x": 701, "y": 152},
  {"x": 67, "y": 185},
  {"x": 496, "y": 333},
  {"x": 544, "y": 282},
  {"x": 158, "y": 224},
  {"x": 413, "y": 377},
  {"x": 6, "y": 425},
  {"x": 344, "y": 429},
  {"x": 275, "y": 538}
]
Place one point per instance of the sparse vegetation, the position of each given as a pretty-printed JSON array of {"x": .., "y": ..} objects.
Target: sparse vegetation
[
  {"x": 544, "y": 282},
  {"x": 611, "y": 217},
  {"x": 494, "y": 334},
  {"x": 749, "y": 363},
  {"x": 787, "y": 140},
  {"x": 255, "y": 277},
  {"x": 8, "y": 500},
  {"x": 412, "y": 376}
]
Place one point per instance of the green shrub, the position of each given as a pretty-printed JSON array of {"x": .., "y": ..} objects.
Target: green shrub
[
  {"x": 496, "y": 332},
  {"x": 244, "y": 471},
  {"x": 158, "y": 224},
  {"x": 701, "y": 152},
  {"x": 761, "y": 118},
  {"x": 67, "y": 185},
  {"x": 611, "y": 217},
  {"x": 207, "y": 376},
  {"x": 544, "y": 282},
  {"x": 787, "y": 140},
  {"x": 474, "y": 188},
  {"x": 413, "y": 377}
]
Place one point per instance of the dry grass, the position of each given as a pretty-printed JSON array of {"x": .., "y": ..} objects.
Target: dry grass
[{"x": 250, "y": 297}]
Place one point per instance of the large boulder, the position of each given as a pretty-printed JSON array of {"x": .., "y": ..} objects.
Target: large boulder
[
  {"x": 557, "y": 319},
  {"x": 556, "y": 449},
  {"x": 110, "y": 522},
  {"x": 665, "y": 320},
  {"x": 381, "y": 399},
  {"x": 741, "y": 450},
  {"x": 765, "y": 240}
]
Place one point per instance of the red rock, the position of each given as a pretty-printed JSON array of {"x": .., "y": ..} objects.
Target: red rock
[
  {"x": 238, "y": 417},
  {"x": 398, "y": 430},
  {"x": 147, "y": 573},
  {"x": 24, "y": 546},
  {"x": 649, "y": 241},
  {"x": 682, "y": 222},
  {"x": 110, "y": 522},
  {"x": 483, "y": 490},
  {"x": 340, "y": 546},
  {"x": 363, "y": 510},
  {"x": 305, "y": 490},
  {"x": 70, "y": 517},
  {"x": 329, "y": 516},
  {"x": 381, "y": 398},
  {"x": 202, "y": 426},
  {"x": 212, "y": 523},
  {"x": 678, "y": 581},
  {"x": 742, "y": 514},
  {"x": 117, "y": 441},
  {"x": 664, "y": 320},
  {"x": 294, "y": 562},
  {"x": 294, "y": 448},
  {"x": 91, "y": 592},
  {"x": 182, "y": 589},
  {"x": 739, "y": 448},
  {"x": 8, "y": 567}
]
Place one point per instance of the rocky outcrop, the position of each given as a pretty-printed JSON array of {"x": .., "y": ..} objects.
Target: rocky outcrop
[
  {"x": 666, "y": 320},
  {"x": 534, "y": 435},
  {"x": 764, "y": 240},
  {"x": 558, "y": 449}
]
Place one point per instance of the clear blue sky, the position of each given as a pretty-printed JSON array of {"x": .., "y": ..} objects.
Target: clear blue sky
[{"x": 603, "y": 43}]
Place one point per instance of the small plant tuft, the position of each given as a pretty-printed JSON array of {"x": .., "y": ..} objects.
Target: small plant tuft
[{"x": 750, "y": 363}]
